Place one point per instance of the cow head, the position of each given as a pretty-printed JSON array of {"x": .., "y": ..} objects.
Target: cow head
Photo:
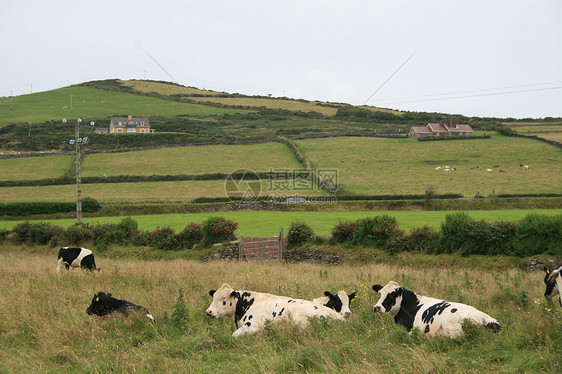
[
  {"x": 99, "y": 305},
  {"x": 224, "y": 301},
  {"x": 550, "y": 281},
  {"x": 340, "y": 302},
  {"x": 391, "y": 298}
]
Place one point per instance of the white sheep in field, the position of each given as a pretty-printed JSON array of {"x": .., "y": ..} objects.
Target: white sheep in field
[
  {"x": 489, "y": 170},
  {"x": 526, "y": 167},
  {"x": 438, "y": 168}
]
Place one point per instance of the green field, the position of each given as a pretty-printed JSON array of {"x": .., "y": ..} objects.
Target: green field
[
  {"x": 90, "y": 103},
  {"x": 265, "y": 223},
  {"x": 45, "y": 327},
  {"x": 191, "y": 160},
  {"x": 407, "y": 166},
  {"x": 29, "y": 168},
  {"x": 548, "y": 130}
]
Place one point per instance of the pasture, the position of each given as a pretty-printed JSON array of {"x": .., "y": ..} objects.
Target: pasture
[
  {"x": 267, "y": 223},
  {"x": 27, "y": 168},
  {"x": 45, "y": 327},
  {"x": 192, "y": 160},
  {"x": 546, "y": 130},
  {"x": 374, "y": 166},
  {"x": 91, "y": 103}
]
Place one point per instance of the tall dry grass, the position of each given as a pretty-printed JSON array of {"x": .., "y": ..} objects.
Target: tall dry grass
[{"x": 44, "y": 326}]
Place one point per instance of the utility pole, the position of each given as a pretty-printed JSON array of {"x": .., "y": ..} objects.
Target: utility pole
[{"x": 76, "y": 141}]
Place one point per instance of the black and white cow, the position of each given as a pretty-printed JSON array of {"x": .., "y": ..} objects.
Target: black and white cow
[
  {"x": 339, "y": 302},
  {"x": 553, "y": 281},
  {"x": 433, "y": 317},
  {"x": 250, "y": 310},
  {"x": 104, "y": 304},
  {"x": 76, "y": 257}
]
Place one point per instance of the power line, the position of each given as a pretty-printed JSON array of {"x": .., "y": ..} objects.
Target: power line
[
  {"x": 468, "y": 96},
  {"x": 389, "y": 78},
  {"x": 463, "y": 92}
]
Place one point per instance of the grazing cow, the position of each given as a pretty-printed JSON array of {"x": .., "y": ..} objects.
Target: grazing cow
[
  {"x": 432, "y": 316},
  {"x": 104, "y": 304},
  {"x": 553, "y": 281},
  {"x": 76, "y": 257},
  {"x": 339, "y": 302},
  {"x": 250, "y": 310}
]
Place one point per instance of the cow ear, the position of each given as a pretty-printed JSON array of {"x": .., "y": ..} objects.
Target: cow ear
[
  {"x": 352, "y": 296},
  {"x": 546, "y": 270},
  {"x": 377, "y": 287},
  {"x": 109, "y": 294},
  {"x": 234, "y": 294},
  {"x": 399, "y": 291},
  {"x": 212, "y": 292},
  {"x": 328, "y": 294}
]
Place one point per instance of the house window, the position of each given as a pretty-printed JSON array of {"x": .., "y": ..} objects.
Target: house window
[
  {"x": 142, "y": 123},
  {"x": 142, "y": 130},
  {"x": 120, "y": 123},
  {"x": 119, "y": 130},
  {"x": 131, "y": 129}
]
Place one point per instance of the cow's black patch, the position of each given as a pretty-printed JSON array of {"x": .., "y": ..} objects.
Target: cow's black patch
[
  {"x": 88, "y": 262},
  {"x": 390, "y": 299},
  {"x": 454, "y": 310},
  {"x": 494, "y": 326},
  {"x": 334, "y": 302},
  {"x": 426, "y": 329},
  {"x": 281, "y": 311},
  {"x": 223, "y": 302},
  {"x": 274, "y": 314},
  {"x": 291, "y": 301},
  {"x": 250, "y": 317},
  {"x": 429, "y": 314},
  {"x": 243, "y": 303},
  {"x": 248, "y": 324},
  {"x": 408, "y": 309},
  {"x": 315, "y": 307},
  {"x": 550, "y": 282}
]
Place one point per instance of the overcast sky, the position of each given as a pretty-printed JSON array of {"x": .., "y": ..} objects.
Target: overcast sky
[{"x": 477, "y": 58}]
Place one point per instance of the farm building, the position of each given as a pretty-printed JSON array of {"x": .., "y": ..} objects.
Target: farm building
[
  {"x": 129, "y": 124},
  {"x": 446, "y": 127}
]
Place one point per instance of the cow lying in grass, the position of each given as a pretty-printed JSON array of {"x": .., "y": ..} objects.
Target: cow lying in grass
[
  {"x": 553, "y": 281},
  {"x": 250, "y": 310},
  {"x": 339, "y": 302},
  {"x": 433, "y": 317},
  {"x": 75, "y": 257},
  {"x": 104, "y": 304}
]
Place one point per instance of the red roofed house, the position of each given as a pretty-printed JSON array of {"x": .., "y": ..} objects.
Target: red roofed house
[{"x": 445, "y": 127}]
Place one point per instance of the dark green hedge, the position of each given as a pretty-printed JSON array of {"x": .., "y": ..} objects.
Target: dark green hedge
[
  {"x": 463, "y": 137},
  {"x": 89, "y": 205}
]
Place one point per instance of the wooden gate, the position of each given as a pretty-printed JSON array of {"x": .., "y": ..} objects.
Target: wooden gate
[{"x": 261, "y": 249}]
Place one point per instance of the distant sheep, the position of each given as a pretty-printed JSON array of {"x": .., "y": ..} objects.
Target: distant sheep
[{"x": 526, "y": 167}]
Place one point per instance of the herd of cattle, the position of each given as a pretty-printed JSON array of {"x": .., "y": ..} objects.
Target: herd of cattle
[{"x": 250, "y": 310}]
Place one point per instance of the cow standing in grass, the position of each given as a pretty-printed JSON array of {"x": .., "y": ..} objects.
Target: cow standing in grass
[
  {"x": 433, "y": 317},
  {"x": 553, "y": 281},
  {"x": 250, "y": 310},
  {"x": 76, "y": 257},
  {"x": 339, "y": 302}
]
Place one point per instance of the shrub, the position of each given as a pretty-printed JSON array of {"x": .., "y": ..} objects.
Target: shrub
[
  {"x": 190, "y": 236},
  {"x": 37, "y": 233},
  {"x": 217, "y": 230},
  {"x": 163, "y": 238},
  {"x": 77, "y": 235},
  {"x": 422, "y": 239},
  {"x": 299, "y": 232},
  {"x": 126, "y": 227},
  {"x": 344, "y": 231},
  {"x": 454, "y": 231},
  {"x": 538, "y": 233},
  {"x": 380, "y": 231},
  {"x": 90, "y": 205}
]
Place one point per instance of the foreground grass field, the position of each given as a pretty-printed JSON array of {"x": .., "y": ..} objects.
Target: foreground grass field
[
  {"x": 45, "y": 328},
  {"x": 263, "y": 223},
  {"x": 407, "y": 166}
]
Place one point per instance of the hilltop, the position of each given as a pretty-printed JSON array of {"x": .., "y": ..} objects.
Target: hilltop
[{"x": 183, "y": 115}]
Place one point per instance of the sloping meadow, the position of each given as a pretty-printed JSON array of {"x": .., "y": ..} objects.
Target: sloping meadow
[{"x": 45, "y": 327}]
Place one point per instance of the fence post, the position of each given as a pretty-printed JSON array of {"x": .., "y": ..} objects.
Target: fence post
[
  {"x": 259, "y": 246},
  {"x": 280, "y": 243},
  {"x": 240, "y": 248}
]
